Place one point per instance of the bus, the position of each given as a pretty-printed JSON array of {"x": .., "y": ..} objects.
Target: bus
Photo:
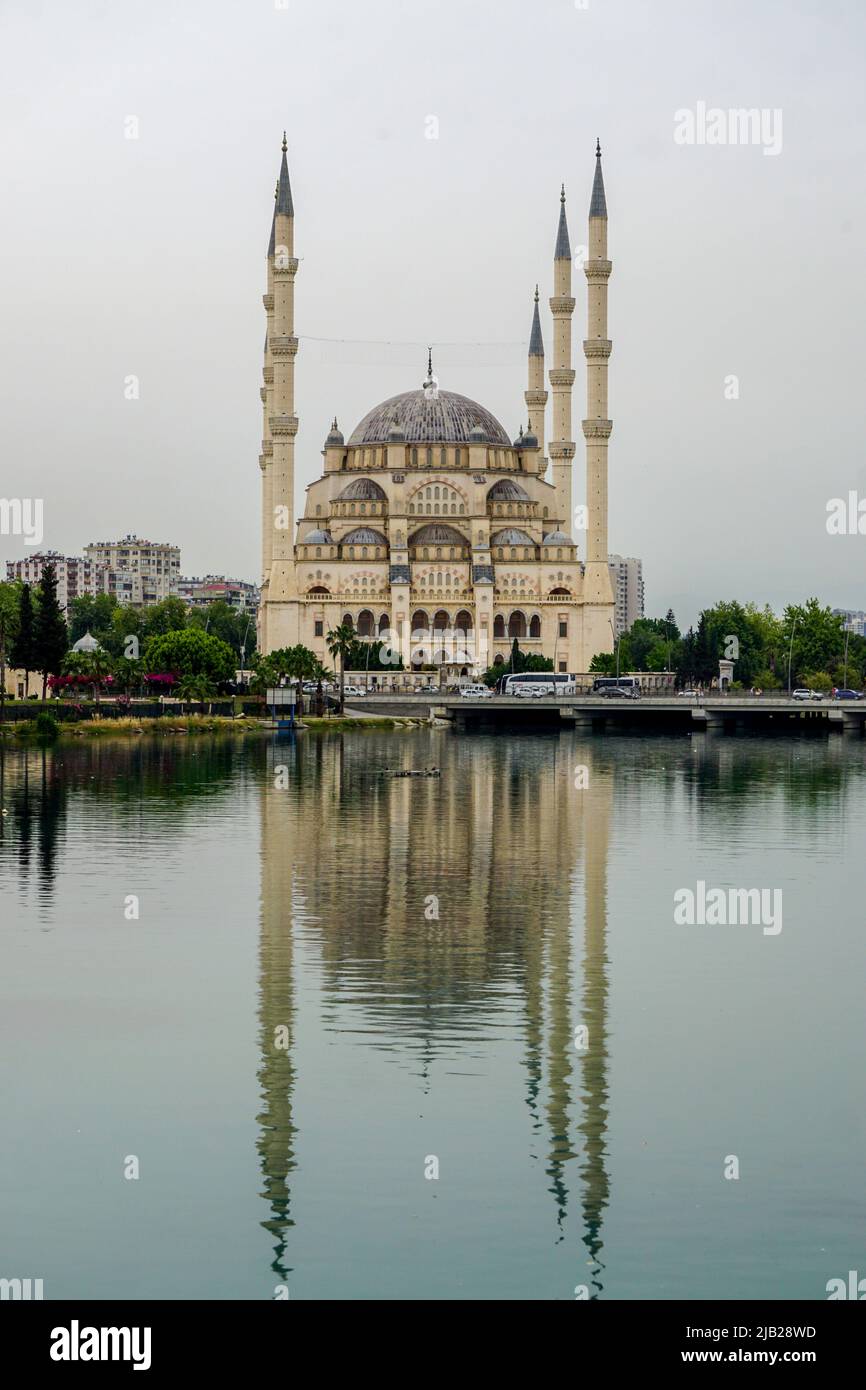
[
  {"x": 629, "y": 686},
  {"x": 551, "y": 682}
]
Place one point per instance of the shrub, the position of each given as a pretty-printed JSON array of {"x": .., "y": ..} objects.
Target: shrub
[{"x": 46, "y": 725}]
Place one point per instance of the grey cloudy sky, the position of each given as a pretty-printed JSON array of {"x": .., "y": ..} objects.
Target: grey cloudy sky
[{"x": 146, "y": 257}]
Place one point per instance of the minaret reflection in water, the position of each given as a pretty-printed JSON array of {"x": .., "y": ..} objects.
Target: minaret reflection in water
[{"x": 353, "y": 853}]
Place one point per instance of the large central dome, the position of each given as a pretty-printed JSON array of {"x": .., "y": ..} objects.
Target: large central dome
[{"x": 431, "y": 417}]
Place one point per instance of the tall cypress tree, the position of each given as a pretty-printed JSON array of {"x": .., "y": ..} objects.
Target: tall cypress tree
[
  {"x": 51, "y": 635},
  {"x": 23, "y": 653}
]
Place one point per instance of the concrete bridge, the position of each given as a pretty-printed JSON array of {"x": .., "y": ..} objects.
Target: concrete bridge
[{"x": 595, "y": 713}]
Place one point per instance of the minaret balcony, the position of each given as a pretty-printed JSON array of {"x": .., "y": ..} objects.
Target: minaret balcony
[
  {"x": 597, "y": 272},
  {"x": 561, "y": 449},
  {"x": 268, "y": 301},
  {"x": 562, "y": 304},
  {"x": 562, "y": 376},
  {"x": 281, "y": 345},
  {"x": 268, "y": 448},
  {"x": 597, "y": 429},
  {"x": 283, "y": 425},
  {"x": 535, "y": 397},
  {"x": 285, "y": 267},
  {"x": 597, "y": 349}
]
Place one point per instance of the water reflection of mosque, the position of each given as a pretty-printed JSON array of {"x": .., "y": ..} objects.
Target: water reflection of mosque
[{"x": 358, "y": 855}]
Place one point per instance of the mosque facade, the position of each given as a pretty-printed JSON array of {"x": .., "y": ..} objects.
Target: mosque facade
[{"x": 430, "y": 528}]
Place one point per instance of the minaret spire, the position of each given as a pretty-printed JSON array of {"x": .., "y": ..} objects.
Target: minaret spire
[
  {"x": 598, "y": 595},
  {"x": 562, "y": 374},
  {"x": 535, "y": 394}
]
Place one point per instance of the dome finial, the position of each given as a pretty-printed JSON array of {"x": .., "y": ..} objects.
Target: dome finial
[
  {"x": 562, "y": 194},
  {"x": 429, "y": 361},
  {"x": 285, "y": 146},
  {"x": 536, "y": 294},
  {"x": 597, "y": 148}
]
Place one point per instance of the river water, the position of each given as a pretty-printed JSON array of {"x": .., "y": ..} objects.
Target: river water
[{"x": 275, "y": 1021}]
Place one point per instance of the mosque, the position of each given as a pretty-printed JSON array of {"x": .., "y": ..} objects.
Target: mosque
[{"x": 430, "y": 528}]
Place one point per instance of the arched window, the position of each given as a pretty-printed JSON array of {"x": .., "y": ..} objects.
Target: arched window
[
  {"x": 318, "y": 510},
  {"x": 414, "y": 456},
  {"x": 555, "y": 593},
  {"x": 435, "y": 492},
  {"x": 411, "y": 508},
  {"x": 499, "y": 659},
  {"x": 559, "y": 553},
  {"x": 456, "y": 458},
  {"x": 535, "y": 626},
  {"x": 348, "y": 621},
  {"x": 442, "y": 457},
  {"x": 365, "y": 623},
  {"x": 517, "y": 625},
  {"x": 463, "y": 621},
  {"x": 420, "y": 622},
  {"x": 318, "y": 552},
  {"x": 363, "y": 552},
  {"x": 441, "y": 621},
  {"x": 462, "y": 509},
  {"x": 498, "y": 626},
  {"x": 384, "y": 623},
  {"x": 430, "y": 458}
]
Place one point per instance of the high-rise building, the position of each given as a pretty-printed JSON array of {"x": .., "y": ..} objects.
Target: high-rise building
[
  {"x": 237, "y": 593},
  {"x": 431, "y": 520},
  {"x": 626, "y": 580},
  {"x": 853, "y": 620},
  {"x": 75, "y": 575},
  {"x": 137, "y": 571}
]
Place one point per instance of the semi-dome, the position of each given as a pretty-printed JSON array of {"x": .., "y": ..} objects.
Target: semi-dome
[
  {"x": 363, "y": 490},
  {"x": 557, "y": 538},
  {"x": 430, "y": 417},
  {"x": 511, "y": 536},
  {"x": 317, "y": 537},
  {"x": 436, "y": 534},
  {"x": 364, "y": 535},
  {"x": 507, "y": 491}
]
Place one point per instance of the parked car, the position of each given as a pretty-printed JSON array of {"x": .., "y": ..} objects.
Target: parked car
[
  {"x": 476, "y": 692},
  {"x": 689, "y": 691},
  {"x": 354, "y": 690},
  {"x": 804, "y": 694},
  {"x": 848, "y": 695},
  {"x": 531, "y": 692}
]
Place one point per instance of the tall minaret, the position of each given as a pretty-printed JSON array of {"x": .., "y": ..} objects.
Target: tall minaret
[
  {"x": 280, "y": 623},
  {"x": 535, "y": 395},
  {"x": 561, "y": 373},
  {"x": 597, "y": 591}
]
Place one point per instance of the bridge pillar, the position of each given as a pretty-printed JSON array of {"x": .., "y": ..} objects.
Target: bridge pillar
[{"x": 852, "y": 724}]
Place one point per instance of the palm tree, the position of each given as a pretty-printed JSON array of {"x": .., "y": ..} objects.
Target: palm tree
[
  {"x": 196, "y": 688},
  {"x": 340, "y": 642}
]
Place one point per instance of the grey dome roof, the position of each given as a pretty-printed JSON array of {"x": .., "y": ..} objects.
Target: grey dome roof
[
  {"x": 511, "y": 536},
  {"x": 430, "y": 418},
  {"x": 318, "y": 537},
  {"x": 507, "y": 491},
  {"x": 437, "y": 534},
  {"x": 87, "y": 643},
  {"x": 363, "y": 535},
  {"x": 363, "y": 489},
  {"x": 557, "y": 538}
]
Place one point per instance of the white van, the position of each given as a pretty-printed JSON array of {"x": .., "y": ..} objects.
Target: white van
[{"x": 476, "y": 692}]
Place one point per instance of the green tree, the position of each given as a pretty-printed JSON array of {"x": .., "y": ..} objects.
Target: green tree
[
  {"x": 168, "y": 616},
  {"x": 10, "y": 609},
  {"x": 51, "y": 638},
  {"x": 190, "y": 653},
  {"x": 197, "y": 688},
  {"x": 23, "y": 652},
  {"x": 91, "y": 613},
  {"x": 340, "y": 641},
  {"x": 819, "y": 638}
]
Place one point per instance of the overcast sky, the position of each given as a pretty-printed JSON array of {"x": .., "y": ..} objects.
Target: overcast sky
[{"x": 146, "y": 257}]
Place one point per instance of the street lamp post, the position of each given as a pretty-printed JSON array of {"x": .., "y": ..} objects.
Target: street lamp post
[
  {"x": 790, "y": 655},
  {"x": 617, "y": 640},
  {"x": 847, "y": 635}
]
